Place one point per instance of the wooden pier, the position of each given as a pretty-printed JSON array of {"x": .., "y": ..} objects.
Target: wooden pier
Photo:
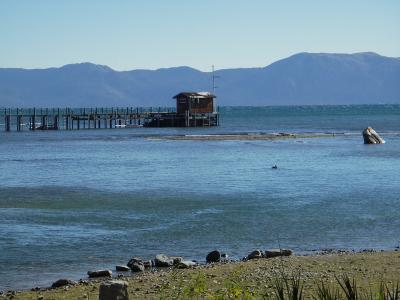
[{"x": 17, "y": 119}]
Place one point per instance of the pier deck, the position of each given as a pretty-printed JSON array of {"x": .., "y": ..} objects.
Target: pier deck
[{"x": 16, "y": 119}]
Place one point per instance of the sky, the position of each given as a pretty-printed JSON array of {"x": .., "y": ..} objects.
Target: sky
[{"x": 152, "y": 34}]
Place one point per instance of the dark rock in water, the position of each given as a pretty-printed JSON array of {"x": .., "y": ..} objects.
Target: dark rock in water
[
  {"x": 147, "y": 264},
  {"x": 137, "y": 267},
  {"x": 99, "y": 273},
  {"x": 62, "y": 282},
  {"x": 277, "y": 252},
  {"x": 114, "y": 290},
  {"x": 176, "y": 259},
  {"x": 122, "y": 268},
  {"x": 255, "y": 254},
  {"x": 134, "y": 260},
  {"x": 372, "y": 137},
  {"x": 213, "y": 256},
  {"x": 162, "y": 261}
]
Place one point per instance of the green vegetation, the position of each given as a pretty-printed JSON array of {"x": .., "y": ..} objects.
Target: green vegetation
[{"x": 283, "y": 288}]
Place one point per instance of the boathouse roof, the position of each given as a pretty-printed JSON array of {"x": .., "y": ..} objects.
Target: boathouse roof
[{"x": 198, "y": 95}]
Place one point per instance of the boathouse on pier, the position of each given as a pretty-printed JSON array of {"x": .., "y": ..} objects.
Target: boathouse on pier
[
  {"x": 201, "y": 102},
  {"x": 193, "y": 109}
]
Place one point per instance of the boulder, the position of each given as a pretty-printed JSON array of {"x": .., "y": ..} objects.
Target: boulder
[
  {"x": 255, "y": 254},
  {"x": 185, "y": 264},
  {"x": 162, "y": 261},
  {"x": 372, "y": 137},
  {"x": 62, "y": 282},
  {"x": 99, "y": 273},
  {"x": 147, "y": 264},
  {"x": 137, "y": 267},
  {"x": 122, "y": 268},
  {"x": 134, "y": 260},
  {"x": 277, "y": 252},
  {"x": 176, "y": 259},
  {"x": 213, "y": 256},
  {"x": 114, "y": 290}
]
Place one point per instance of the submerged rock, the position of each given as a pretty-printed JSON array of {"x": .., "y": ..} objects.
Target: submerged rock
[
  {"x": 62, "y": 282},
  {"x": 255, "y": 254},
  {"x": 372, "y": 137},
  {"x": 114, "y": 290},
  {"x": 99, "y": 273},
  {"x": 213, "y": 256},
  {"x": 277, "y": 252}
]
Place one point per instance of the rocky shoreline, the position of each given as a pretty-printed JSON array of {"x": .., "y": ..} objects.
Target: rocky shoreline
[{"x": 143, "y": 273}]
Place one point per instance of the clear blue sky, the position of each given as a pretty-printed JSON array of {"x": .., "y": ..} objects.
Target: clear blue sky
[{"x": 163, "y": 33}]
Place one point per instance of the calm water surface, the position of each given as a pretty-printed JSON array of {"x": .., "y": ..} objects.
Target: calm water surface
[{"x": 89, "y": 199}]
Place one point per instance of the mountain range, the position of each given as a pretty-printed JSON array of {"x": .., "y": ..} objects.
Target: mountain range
[{"x": 301, "y": 79}]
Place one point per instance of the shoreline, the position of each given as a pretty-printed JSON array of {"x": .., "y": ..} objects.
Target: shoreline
[{"x": 368, "y": 266}]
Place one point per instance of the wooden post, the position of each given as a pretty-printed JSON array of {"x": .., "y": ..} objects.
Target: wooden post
[
  {"x": 187, "y": 121},
  {"x": 18, "y": 121},
  {"x": 66, "y": 119},
  {"x": 33, "y": 120},
  {"x": 7, "y": 120},
  {"x": 55, "y": 123},
  {"x": 84, "y": 117},
  {"x": 95, "y": 118}
]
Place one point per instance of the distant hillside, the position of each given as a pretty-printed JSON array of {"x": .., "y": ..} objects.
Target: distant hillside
[{"x": 304, "y": 78}]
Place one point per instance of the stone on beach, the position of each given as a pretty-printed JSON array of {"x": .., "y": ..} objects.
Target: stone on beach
[
  {"x": 121, "y": 268},
  {"x": 114, "y": 290},
  {"x": 99, "y": 273},
  {"x": 147, "y": 264},
  {"x": 185, "y": 264},
  {"x": 277, "y": 252},
  {"x": 162, "y": 261},
  {"x": 372, "y": 137},
  {"x": 255, "y": 254},
  {"x": 62, "y": 282},
  {"x": 176, "y": 259},
  {"x": 137, "y": 267},
  {"x": 213, "y": 256},
  {"x": 136, "y": 264}
]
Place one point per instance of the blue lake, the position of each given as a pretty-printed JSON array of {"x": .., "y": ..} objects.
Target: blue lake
[{"x": 71, "y": 201}]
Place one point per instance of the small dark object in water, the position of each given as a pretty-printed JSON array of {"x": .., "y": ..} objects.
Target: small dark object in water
[{"x": 274, "y": 167}]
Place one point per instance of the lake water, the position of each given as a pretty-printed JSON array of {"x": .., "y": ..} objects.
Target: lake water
[{"x": 72, "y": 201}]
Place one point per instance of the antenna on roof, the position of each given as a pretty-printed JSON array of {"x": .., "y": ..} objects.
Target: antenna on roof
[
  {"x": 214, "y": 86},
  {"x": 213, "y": 79}
]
